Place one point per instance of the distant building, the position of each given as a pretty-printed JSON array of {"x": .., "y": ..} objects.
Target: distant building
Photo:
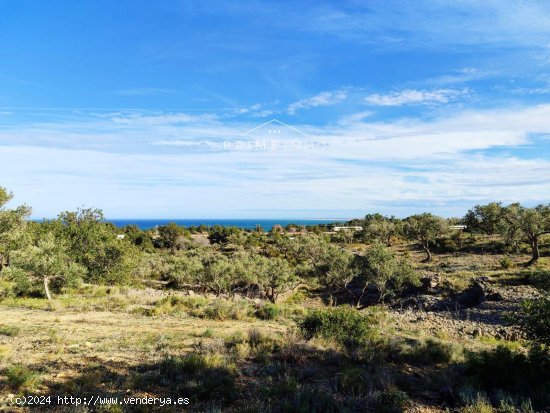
[
  {"x": 351, "y": 228},
  {"x": 120, "y": 236},
  {"x": 459, "y": 227}
]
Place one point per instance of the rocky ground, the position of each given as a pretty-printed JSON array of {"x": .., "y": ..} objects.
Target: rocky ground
[{"x": 483, "y": 310}]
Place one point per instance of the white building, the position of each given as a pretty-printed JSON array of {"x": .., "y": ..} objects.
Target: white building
[{"x": 352, "y": 228}]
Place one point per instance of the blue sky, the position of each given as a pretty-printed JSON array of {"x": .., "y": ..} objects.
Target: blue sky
[{"x": 162, "y": 109}]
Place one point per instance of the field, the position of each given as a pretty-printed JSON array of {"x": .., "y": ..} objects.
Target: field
[{"x": 239, "y": 354}]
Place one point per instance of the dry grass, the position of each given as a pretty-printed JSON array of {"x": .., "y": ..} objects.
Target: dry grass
[{"x": 71, "y": 351}]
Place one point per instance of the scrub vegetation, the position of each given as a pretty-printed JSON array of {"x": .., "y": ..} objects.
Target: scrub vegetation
[{"x": 384, "y": 314}]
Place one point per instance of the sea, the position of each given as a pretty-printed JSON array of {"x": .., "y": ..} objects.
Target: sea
[{"x": 266, "y": 224}]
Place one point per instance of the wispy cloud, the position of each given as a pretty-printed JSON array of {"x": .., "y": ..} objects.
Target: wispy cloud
[
  {"x": 463, "y": 75},
  {"x": 417, "y": 97},
  {"x": 144, "y": 91},
  {"x": 429, "y": 24},
  {"x": 322, "y": 99},
  {"x": 160, "y": 118}
]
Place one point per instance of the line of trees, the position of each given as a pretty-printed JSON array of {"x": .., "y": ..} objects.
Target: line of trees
[
  {"x": 45, "y": 257},
  {"x": 515, "y": 223}
]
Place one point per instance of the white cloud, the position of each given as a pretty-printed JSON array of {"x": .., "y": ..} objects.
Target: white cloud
[
  {"x": 322, "y": 99},
  {"x": 417, "y": 97},
  {"x": 445, "y": 163}
]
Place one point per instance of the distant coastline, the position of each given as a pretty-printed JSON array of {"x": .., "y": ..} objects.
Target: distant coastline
[{"x": 266, "y": 224}]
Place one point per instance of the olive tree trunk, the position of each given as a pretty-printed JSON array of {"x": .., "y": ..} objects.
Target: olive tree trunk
[
  {"x": 426, "y": 248},
  {"x": 535, "y": 253},
  {"x": 47, "y": 287}
]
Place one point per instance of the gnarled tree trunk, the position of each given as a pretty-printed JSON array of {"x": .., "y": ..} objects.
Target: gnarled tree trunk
[
  {"x": 47, "y": 287},
  {"x": 426, "y": 248},
  {"x": 535, "y": 253}
]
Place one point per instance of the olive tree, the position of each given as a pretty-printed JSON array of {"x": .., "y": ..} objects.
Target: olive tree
[
  {"x": 380, "y": 228},
  {"x": 220, "y": 235},
  {"x": 317, "y": 260},
  {"x": 425, "y": 229},
  {"x": 276, "y": 277},
  {"x": 335, "y": 270},
  {"x": 532, "y": 223},
  {"x": 486, "y": 219},
  {"x": 46, "y": 261},
  {"x": 389, "y": 274},
  {"x": 489, "y": 219},
  {"x": 513, "y": 222},
  {"x": 171, "y": 236},
  {"x": 12, "y": 227},
  {"x": 220, "y": 274},
  {"x": 94, "y": 244},
  {"x": 182, "y": 270}
]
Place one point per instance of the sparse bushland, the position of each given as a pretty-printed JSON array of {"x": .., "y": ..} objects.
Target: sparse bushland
[
  {"x": 404, "y": 315},
  {"x": 330, "y": 359}
]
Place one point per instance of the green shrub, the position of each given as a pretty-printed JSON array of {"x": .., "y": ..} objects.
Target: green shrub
[
  {"x": 174, "y": 304},
  {"x": 430, "y": 351},
  {"x": 194, "y": 302},
  {"x": 255, "y": 337},
  {"x": 207, "y": 377},
  {"x": 525, "y": 376},
  {"x": 227, "y": 310},
  {"x": 111, "y": 408},
  {"x": 506, "y": 263},
  {"x": 354, "y": 381},
  {"x": 297, "y": 297},
  {"x": 10, "y": 331},
  {"x": 167, "y": 305},
  {"x": 22, "y": 379},
  {"x": 268, "y": 312},
  {"x": 344, "y": 326},
  {"x": 510, "y": 405},
  {"x": 208, "y": 333},
  {"x": 392, "y": 401},
  {"x": 21, "y": 285},
  {"x": 4, "y": 352},
  {"x": 474, "y": 401},
  {"x": 7, "y": 288},
  {"x": 306, "y": 400},
  {"x": 535, "y": 319},
  {"x": 539, "y": 278},
  {"x": 478, "y": 405},
  {"x": 391, "y": 275},
  {"x": 174, "y": 368},
  {"x": 263, "y": 346}
]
